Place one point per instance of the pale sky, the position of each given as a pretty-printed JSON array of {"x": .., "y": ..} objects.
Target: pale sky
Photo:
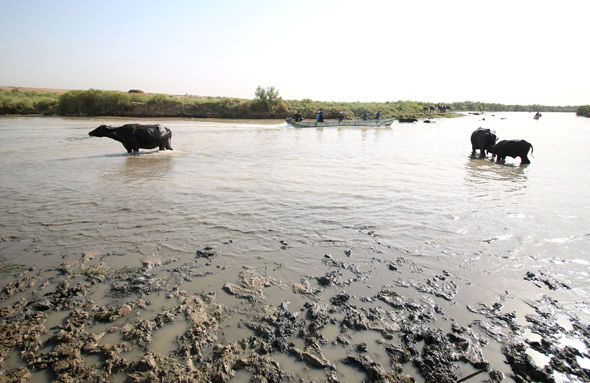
[{"x": 505, "y": 51}]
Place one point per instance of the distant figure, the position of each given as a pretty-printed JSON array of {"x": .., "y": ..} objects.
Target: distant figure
[
  {"x": 378, "y": 115},
  {"x": 320, "y": 116},
  {"x": 365, "y": 115},
  {"x": 298, "y": 117},
  {"x": 340, "y": 117}
]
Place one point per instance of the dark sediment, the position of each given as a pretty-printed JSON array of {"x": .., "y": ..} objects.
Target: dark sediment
[{"x": 399, "y": 321}]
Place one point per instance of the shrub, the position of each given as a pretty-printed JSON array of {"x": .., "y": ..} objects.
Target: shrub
[
  {"x": 94, "y": 103},
  {"x": 19, "y": 102},
  {"x": 584, "y": 111}
]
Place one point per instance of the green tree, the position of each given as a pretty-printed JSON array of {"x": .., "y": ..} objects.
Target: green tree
[
  {"x": 268, "y": 99},
  {"x": 583, "y": 110}
]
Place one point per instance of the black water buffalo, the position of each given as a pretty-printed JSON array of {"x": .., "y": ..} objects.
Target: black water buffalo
[
  {"x": 482, "y": 139},
  {"x": 512, "y": 148},
  {"x": 135, "y": 136}
]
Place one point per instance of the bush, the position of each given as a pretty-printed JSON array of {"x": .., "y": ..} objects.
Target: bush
[
  {"x": 19, "y": 102},
  {"x": 158, "y": 99},
  {"x": 267, "y": 99},
  {"x": 94, "y": 103},
  {"x": 584, "y": 111}
]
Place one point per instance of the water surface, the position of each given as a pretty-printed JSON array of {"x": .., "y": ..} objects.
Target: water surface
[{"x": 265, "y": 192}]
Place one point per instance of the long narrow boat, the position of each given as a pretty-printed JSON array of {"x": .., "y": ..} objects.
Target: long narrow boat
[{"x": 314, "y": 124}]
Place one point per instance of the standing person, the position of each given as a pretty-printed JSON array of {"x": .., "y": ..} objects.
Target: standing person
[
  {"x": 320, "y": 116},
  {"x": 340, "y": 117},
  {"x": 365, "y": 115},
  {"x": 378, "y": 115}
]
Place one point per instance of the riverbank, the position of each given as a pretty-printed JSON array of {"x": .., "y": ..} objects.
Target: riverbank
[
  {"x": 135, "y": 103},
  {"x": 128, "y": 317}
]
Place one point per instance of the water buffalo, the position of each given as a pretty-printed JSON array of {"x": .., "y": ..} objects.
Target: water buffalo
[
  {"x": 512, "y": 148},
  {"x": 135, "y": 136},
  {"x": 482, "y": 139}
]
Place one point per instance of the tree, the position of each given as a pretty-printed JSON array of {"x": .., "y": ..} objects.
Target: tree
[
  {"x": 268, "y": 99},
  {"x": 583, "y": 110}
]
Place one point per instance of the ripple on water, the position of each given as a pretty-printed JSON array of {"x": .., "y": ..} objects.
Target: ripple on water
[{"x": 416, "y": 187}]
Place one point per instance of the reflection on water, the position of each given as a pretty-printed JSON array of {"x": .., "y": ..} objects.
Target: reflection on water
[
  {"x": 154, "y": 165},
  {"x": 487, "y": 173}
]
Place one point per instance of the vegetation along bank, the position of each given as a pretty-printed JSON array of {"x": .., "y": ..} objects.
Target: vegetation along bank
[
  {"x": 267, "y": 103},
  {"x": 584, "y": 111}
]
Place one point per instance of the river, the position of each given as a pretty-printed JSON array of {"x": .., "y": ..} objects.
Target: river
[{"x": 282, "y": 201}]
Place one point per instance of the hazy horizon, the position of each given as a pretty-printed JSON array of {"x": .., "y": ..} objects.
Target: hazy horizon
[{"x": 525, "y": 52}]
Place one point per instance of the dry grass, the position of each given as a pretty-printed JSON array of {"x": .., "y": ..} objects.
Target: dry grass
[
  {"x": 38, "y": 90},
  {"x": 60, "y": 91}
]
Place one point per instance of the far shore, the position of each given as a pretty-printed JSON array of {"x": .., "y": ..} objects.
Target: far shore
[{"x": 267, "y": 104}]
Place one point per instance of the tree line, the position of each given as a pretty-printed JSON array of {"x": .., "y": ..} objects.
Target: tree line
[{"x": 267, "y": 103}]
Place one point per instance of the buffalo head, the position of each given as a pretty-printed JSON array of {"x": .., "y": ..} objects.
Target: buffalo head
[
  {"x": 101, "y": 131},
  {"x": 494, "y": 138}
]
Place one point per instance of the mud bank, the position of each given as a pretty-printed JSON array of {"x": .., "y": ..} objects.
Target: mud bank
[{"x": 133, "y": 318}]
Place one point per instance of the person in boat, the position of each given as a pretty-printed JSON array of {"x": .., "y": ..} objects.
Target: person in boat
[
  {"x": 378, "y": 115},
  {"x": 365, "y": 115},
  {"x": 320, "y": 116},
  {"x": 298, "y": 117},
  {"x": 340, "y": 117}
]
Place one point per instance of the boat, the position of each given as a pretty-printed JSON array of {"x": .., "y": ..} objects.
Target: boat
[
  {"x": 537, "y": 115},
  {"x": 324, "y": 124}
]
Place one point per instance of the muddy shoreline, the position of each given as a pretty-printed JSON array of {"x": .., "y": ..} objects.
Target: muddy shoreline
[{"x": 102, "y": 316}]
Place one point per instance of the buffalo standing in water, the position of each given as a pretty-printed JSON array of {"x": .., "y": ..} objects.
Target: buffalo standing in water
[
  {"x": 512, "y": 148},
  {"x": 482, "y": 139},
  {"x": 135, "y": 136}
]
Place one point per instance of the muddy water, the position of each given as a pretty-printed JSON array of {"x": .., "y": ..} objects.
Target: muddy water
[{"x": 295, "y": 204}]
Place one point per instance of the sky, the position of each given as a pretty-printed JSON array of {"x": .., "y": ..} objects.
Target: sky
[{"x": 504, "y": 51}]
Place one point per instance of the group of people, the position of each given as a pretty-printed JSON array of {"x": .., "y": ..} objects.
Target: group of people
[{"x": 320, "y": 116}]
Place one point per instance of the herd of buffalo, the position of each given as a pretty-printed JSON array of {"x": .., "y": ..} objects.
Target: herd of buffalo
[
  {"x": 136, "y": 136},
  {"x": 484, "y": 140}
]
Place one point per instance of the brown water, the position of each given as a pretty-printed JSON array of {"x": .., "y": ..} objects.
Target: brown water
[{"x": 277, "y": 198}]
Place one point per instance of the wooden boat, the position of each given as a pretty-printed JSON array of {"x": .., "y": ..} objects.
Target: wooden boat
[{"x": 314, "y": 124}]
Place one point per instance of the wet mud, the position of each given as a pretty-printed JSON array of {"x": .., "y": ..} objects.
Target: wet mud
[{"x": 94, "y": 318}]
